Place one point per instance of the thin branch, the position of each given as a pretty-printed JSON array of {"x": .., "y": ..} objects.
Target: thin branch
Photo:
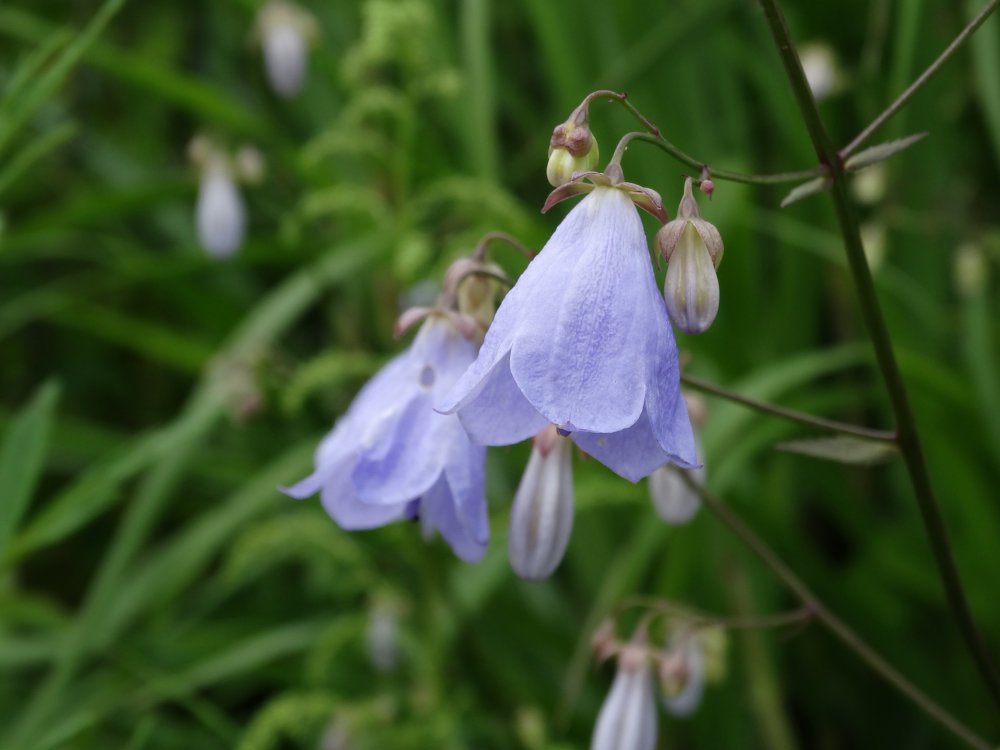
[
  {"x": 790, "y": 414},
  {"x": 918, "y": 84},
  {"x": 657, "y": 138},
  {"x": 834, "y": 624},
  {"x": 909, "y": 439}
]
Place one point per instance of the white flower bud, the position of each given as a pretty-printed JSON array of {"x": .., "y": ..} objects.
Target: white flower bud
[
  {"x": 219, "y": 214},
  {"x": 682, "y": 676},
  {"x": 628, "y": 717},
  {"x": 693, "y": 250},
  {"x": 691, "y": 287},
  {"x": 673, "y": 500},
  {"x": 285, "y": 32},
  {"x": 542, "y": 516}
]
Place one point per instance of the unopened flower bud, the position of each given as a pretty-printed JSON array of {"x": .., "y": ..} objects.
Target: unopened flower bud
[
  {"x": 693, "y": 250},
  {"x": 220, "y": 215},
  {"x": 707, "y": 187},
  {"x": 382, "y": 636},
  {"x": 572, "y": 148},
  {"x": 674, "y": 501},
  {"x": 542, "y": 516},
  {"x": 285, "y": 31},
  {"x": 250, "y": 165},
  {"x": 682, "y": 676},
  {"x": 628, "y": 717}
]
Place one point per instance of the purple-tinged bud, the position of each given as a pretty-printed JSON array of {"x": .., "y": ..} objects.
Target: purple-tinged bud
[
  {"x": 542, "y": 516},
  {"x": 628, "y": 717},
  {"x": 286, "y": 32},
  {"x": 572, "y": 148},
  {"x": 707, "y": 187},
  {"x": 682, "y": 676},
  {"x": 693, "y": 250},
  {"x": 219, "y": 214}
]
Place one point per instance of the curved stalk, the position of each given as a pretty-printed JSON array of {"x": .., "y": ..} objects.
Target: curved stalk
[
  {"x": 909, "y": 439},
  {"x": 834, "y": 624}
]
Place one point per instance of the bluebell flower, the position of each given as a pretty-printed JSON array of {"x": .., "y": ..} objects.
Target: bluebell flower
[
  {"x": 583, "y": 341},
  {"x": 392, "y": 457}
]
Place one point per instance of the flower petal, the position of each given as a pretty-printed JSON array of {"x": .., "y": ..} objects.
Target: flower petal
[
  {"x": 344, "y": 506},
  {"x": 401, "y": 456},
  {"x": 500, "y": 414},
  {"x": 438, "y": 512},
  {"x": 632, "y": 453},
  {"x": 578, "y": 356}
]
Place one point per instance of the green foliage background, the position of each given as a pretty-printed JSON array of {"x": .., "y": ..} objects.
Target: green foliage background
[{"x": 157, "y": 591}]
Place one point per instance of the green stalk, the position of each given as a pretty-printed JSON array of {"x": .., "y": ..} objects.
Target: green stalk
[{"x": 908, "y": 437}]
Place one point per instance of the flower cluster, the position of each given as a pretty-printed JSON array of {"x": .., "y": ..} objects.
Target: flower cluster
[{"x": 692, "y": 656}]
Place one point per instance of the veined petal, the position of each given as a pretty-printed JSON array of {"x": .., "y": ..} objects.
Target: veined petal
[
  {"x": 438, "y": 513},
  {"x": 632, "y": 453},
  {"x": 500, "y": 414},
  {"x": 668, "y": 414},
  {"x": 578, "y": 356},
  {"x": 401, "y": 455},
  {"x": 465, "y": 474},
  {"x": 344, "y": 507}
]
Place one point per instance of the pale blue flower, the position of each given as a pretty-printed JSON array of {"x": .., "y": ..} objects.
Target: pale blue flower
[
  {"x": 583, "y": 341},
  {"x": 392, "y": 457}
]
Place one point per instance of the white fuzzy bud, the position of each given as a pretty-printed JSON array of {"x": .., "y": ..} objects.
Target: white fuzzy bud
[
  {"x": 220, "y": 215},
  {"x": 542, "y": 516},
  {"x": 628, "y": 717},
  {"x": 382, "y": 636}
]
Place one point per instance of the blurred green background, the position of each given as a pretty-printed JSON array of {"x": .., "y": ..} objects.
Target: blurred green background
[{"x": 157, "y": 591}]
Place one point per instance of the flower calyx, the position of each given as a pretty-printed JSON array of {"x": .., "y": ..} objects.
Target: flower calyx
[{"x": 584, "y": 182}]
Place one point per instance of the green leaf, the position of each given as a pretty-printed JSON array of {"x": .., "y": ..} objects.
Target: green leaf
[
  {"x": 22, "y": 457},
  {"x": 844, "y": 449},
  {"x": 815, "y": 185},
  {"x": 873, "y": 155}
]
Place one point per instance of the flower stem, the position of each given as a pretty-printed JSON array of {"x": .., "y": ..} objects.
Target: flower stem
[
  {"x": 918, "y": 84},
  {"x": 655, "y": 137},
  {"x": 908, "y": 437},
  {"x": 790, "y": 414},
  {"x": 831, "y": 622}
]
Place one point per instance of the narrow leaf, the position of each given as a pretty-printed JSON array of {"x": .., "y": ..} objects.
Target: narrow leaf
[
  {"x": 21, "y": 458},
  {"x": 875, "y": 154},
  {"x": 815, "y": 185},
  {"x": 844, "y": 449}
]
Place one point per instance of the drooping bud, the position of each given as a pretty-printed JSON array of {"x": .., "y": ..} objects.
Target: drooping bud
[
  {"x": 628, "y": 717},
  {"x": 220, "y": 215},
  {"x": 286, "y": 32},
  {"x": 674, "y": 501},
  {"x": 693, "y": 250},
  {"x": 542, "y": 516},
  {"x": 682, "y": 675},
  {"x": 572, "y": 148}
]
